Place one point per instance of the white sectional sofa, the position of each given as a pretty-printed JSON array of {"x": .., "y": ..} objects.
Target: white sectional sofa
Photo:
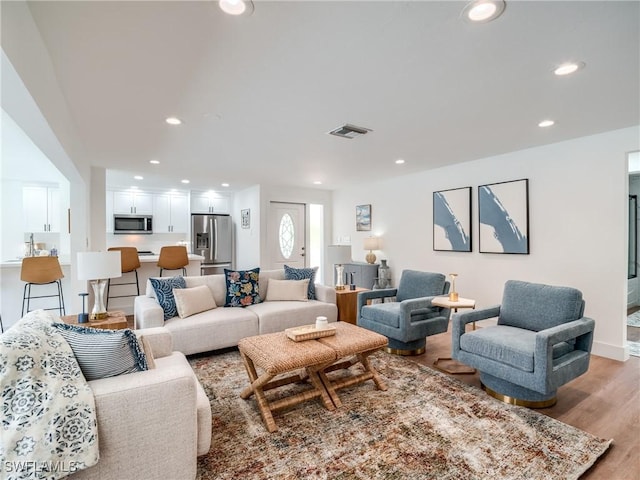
[
  {"x": 223, "y": 327},
  {"x": 151, "y": 424}
]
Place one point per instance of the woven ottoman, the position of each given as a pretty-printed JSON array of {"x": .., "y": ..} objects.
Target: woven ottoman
[
  {"x": 357, "y": 343},
  {"x": 275, "y": 354}
]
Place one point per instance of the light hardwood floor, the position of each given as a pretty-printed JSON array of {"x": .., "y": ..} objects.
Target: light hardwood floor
[{"x": 604, "y": 402}]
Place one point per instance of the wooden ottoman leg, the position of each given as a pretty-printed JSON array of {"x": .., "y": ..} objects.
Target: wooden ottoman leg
[
  {"x": 363, "y": 357},
  {"x": 256, "y": 384},
  {"x": 315, "y": 375},
  {"x": 329, "y": 388}
]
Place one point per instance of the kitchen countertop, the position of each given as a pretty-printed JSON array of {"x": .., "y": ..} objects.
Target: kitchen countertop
[
  {"x": 65, "y": 260},
  {"x": 154, "y": 258},
  {"x": 17, "y": 262}
]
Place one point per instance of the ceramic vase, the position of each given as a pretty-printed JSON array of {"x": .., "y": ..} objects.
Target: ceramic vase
[{"x": 384, "y": 275}]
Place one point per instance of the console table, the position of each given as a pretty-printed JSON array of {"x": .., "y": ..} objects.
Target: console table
[{"x": 364, "y": 274}]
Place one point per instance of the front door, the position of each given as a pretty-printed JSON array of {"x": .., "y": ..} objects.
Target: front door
[{"x": 286, "y": 238}]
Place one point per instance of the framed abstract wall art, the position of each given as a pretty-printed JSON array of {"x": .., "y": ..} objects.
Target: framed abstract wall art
[
  {"x": 503, "y": 212},
  {"x": 363, "y": 218},
  {"x": 452, "y": 220}
]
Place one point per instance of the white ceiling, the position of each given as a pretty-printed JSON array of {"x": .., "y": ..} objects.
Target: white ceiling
[{"x": 257, "y": 94}]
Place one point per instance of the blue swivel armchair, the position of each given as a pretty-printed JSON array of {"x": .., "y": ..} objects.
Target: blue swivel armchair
[
  {"x": 541, "y": 341},
  {"x": 411, "y": 318}
]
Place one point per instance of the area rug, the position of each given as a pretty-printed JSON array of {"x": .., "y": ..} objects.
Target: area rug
[
  {"x": 633, "y": 320},
  {"x": 634, "y": 348},
  {"x": 425, "y": 426}
]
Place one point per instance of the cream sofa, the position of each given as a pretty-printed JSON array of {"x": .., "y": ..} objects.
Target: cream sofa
[
  {"x": 223, "y": 327},
  {"x": 151, "y": 424}
]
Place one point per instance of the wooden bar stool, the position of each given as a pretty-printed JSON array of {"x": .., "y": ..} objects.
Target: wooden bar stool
[
  {"x": 129, "y": 262},
  {"x": 41, "y": 271},
  {"x": 173, "y": 258}
]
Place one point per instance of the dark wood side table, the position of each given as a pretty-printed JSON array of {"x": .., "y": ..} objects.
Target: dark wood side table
[
  {"x": 115, "y": 320},
  {"x": 347, "y": 303}
]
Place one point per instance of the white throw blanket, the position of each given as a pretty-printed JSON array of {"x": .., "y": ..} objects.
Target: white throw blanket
[{"x": 48, "y": 420}]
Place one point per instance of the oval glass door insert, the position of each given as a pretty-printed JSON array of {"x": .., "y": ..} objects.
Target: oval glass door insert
[{"x": 286, "y": 235}]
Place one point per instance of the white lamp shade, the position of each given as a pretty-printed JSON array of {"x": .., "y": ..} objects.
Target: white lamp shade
[
  {"x": 371, "y": 243},
  {"x": 339, "y": 254},
  {"x": 99, "y": 265}
]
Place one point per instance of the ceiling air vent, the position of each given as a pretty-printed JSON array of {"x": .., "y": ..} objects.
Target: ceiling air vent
[{"x": 349, "y": 131}]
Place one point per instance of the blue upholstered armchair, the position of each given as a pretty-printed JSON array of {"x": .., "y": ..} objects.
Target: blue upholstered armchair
[
  {"x": 541, "y": 342},
  {"x": 411, "y": 318}
]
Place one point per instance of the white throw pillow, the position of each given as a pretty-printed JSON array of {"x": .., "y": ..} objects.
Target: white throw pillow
[
  {"x": 190, "y": 301},
  {"x": 287, "y": 290}
]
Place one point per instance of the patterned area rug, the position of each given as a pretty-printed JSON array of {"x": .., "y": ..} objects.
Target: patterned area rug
[
  {"x": 426, "y": 426},
  {"x": 633, "y": 320}
]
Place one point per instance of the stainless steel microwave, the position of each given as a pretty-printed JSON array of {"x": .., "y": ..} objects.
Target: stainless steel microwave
[{"x": 132, "y": 224}]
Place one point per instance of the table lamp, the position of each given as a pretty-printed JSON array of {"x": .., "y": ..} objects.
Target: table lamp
[
  {"x": 97, "y": 268},
  {"x": 338, "y": 255},
  {"x": 371, "y": 244}
]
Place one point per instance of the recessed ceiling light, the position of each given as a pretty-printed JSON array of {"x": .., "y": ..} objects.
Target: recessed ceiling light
[
  {"x": 173, "y": 120},
  {"x": 236, "y": 7},
  {"x": 482, "y": 11},
  {"x": 185, "y": 181},
  {"x": 139, "y": 177},
  {"x": 224, "y": 184},
  {"x": 568, "y": 68},
  {"x": 546, "y": 123},
  {"x": 317, "y": 182},
  {"x": 399, "y": 161},
  {"x": 154, "y": 162}
]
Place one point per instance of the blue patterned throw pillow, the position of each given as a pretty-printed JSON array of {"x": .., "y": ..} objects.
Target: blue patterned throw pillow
[
  {"x": 104, "y": 353},
  {"x": 242, "y": 287},
  {"x": 291, "y": 273},
  {"x": 164, "y": 293}
]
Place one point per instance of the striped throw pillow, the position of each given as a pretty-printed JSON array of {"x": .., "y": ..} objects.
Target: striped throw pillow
[{"x": 104, "y": 353}]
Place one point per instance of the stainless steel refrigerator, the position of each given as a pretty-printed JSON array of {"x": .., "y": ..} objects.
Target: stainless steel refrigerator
[{"x": 212, "y": 237}]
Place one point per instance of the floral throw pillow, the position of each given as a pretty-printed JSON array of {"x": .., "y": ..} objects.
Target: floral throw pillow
[
  {"x": 291, "y": 273},
  {"x": 242, "y": 287},
  {"x": 163, "y": 287}
]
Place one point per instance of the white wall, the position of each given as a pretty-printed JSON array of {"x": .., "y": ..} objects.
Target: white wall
[
  {"x": 578, "y": 225},
  {"x": 32, "y": 97},
  {"x": 247, "y": 240}
]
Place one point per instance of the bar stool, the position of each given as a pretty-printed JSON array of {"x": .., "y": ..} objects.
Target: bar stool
[
  {"x": 129, "y": 262},
  {"x": 173, "y": 258},
  {"x": 41, "y": 271}
]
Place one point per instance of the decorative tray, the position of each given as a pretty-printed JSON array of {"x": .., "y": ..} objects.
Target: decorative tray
[{"x": 309, "y": 332}]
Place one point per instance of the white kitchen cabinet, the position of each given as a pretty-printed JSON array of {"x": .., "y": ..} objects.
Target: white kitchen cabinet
[
  {"x": 206, "y": 202},
  {"x": 170, "y": 213},
  {"x": 132, "y": 202},
  {"x": 41, "y": 209}
]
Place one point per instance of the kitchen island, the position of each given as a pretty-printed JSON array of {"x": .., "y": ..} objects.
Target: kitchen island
[
  {"x": 148, "y": 268},
  {"x": 12, "y": 288}
]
